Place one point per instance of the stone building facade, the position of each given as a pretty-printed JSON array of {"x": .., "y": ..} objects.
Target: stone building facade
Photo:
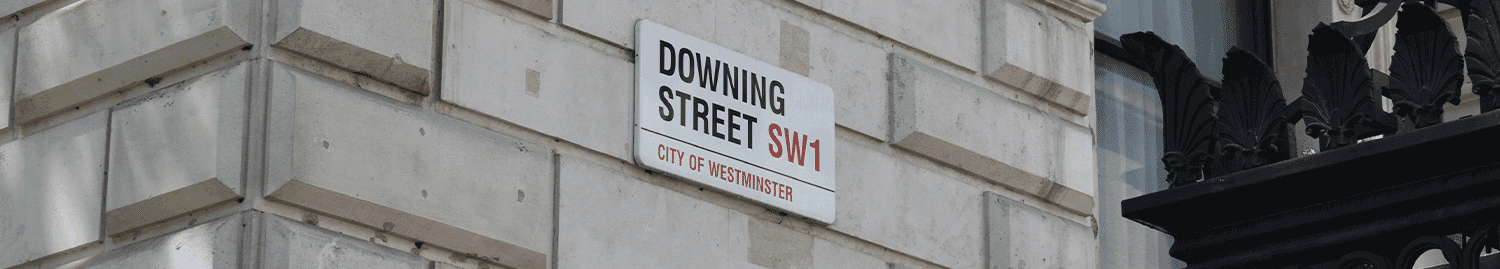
[{"x": 498, "y": 134}]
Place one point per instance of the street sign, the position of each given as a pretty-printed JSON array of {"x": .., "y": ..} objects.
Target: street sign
[{"x": 717, "y": 117}]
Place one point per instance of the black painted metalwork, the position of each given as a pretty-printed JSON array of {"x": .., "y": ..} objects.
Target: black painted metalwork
[
  {"x": 1482, "y": 53},
  {"x": 1240, "y": 201},
  {"x": 1188, "y": 107},
  {"x": 1253, "y": 115},
  {"x": 1427, "y": 70},
  {"x": 1375, "y": 197},
  {"x": 1337, "y": 103}
]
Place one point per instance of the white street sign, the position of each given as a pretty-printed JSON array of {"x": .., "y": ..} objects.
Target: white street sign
[{"x": 722, "y": 119}]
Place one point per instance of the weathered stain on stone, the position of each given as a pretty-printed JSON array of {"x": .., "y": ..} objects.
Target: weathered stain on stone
[{"x": 310, "y": 218}]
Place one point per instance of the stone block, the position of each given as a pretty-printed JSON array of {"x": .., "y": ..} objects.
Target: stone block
[
  {"x": 212, "y": 244},
  {"x": 747, "y": 27},
  {"x": 1022, "y": 236},
  {"x": 948, "y": 29},
  {"x": 542, "y": 8},
  {"x": 951, "y": 120},
  {"x": 974, "y": 129},
  {"x": 51, "y": 184},
  {"x": 777, "y": 247},
  {"x": 857, "y": 73},
  {"x": 832, "y": 255},
  {"x": 901, "y": 206},
  {"x": 390, "y": 40},
  {"x": 292, "y": 244},
  {"x": 7, "y": 54},
  {"x": 1078, "y": 158},
  {"x": 1029, "y": 48},
  {"x": 10, "y": 7},
  {"x": 611, "y": 220},
  {"x": 395, "y": 158},
  {"x": 183, "y": 135},
  {"x": 90, "y": 48},
  {"x": 499, "y": 66},
  {"x": 401, "y": 223}
]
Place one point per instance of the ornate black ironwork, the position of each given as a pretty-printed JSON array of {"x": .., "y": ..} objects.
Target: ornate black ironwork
[
  {"x": 1482, "y": 52},
  {"x": 1337, "y": 101},
  {"x": 1377, "y": 204},
  {"x": 1427, "y": 70},
  {"x": 1253, "y": 114},
  {"x": 1460, "y": 251},
  {"x": 1374, "y": 197},
  {"x": 1188, "y": 107},
  {"x": 1376, "y": 14}
]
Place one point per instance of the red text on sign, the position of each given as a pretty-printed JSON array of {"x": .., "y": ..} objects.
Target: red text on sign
[{"x": 794, "y": 145}]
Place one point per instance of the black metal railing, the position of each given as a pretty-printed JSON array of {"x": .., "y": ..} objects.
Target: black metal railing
[{"x": 1239, "y": 199}]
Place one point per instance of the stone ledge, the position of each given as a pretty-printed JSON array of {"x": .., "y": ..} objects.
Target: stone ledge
[
  {"x": 166, "y": 206},
  {"x": 390, "y": 40},
  {"x": 917, "y": 88},
  {"x": 12, "y": 6},
  {"x": 541, "y": 8},
  {"x": 57, "y": 98},
  {"x": 212, "y": 244},
  {"x": 111, "y": 46},
  {"x": 292, "y": 244},
  {"x": 1027, "y": 47},
  {"x": 999, "y": 172},
  {"x": 1018, "y": 234},
  {"x": 362, "y": 61},
  {"x": 1082, "y": 10},
  {"x": 382, "y": 218}
]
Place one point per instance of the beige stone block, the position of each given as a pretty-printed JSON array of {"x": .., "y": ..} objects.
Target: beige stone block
[
  {"x": 90, "y": 48},
  {"x": 748, "y": 27},
  {"x": 1022, "y": 236},
  {"x": 401, "y": 158},
  {"x": 542, "y": 8},
  {"x": 899, "y": 205},
  {"x": 949, "y": 119},
  {"x": 292, "y": 244},
  {"x": 7, "y": 71},
  {"x": 831, "y": 255},
  {"x": 856, "y": 71},
  {"x": 212, "y": 244},
  {"x": 51, "y": 183},
  {"x": 948, "y": 29},
  {"x": 390, "y": 40},
  {"x": 1028, "y": 47},
  {"x": 184, "y": 135},
  {"x": 611, "y": 220},
  {"x": 395, "y": 221},
  {"x": 974, "y": 129},
  {"x": 505, "y": 68},
  {"x": 10, "y": 7},
  {"x": 1079, "y": 171},
  {"x": 774, "y": 246}
]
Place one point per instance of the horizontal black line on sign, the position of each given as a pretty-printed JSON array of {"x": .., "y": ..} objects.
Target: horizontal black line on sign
[{"x": 737, "y": 159}]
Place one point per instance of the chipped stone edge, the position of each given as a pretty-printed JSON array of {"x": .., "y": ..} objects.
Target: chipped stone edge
[
  {"x": 166, "y": 206},
  {"x": 313, "y": 198},
  {"x": 360, "y": 60}
]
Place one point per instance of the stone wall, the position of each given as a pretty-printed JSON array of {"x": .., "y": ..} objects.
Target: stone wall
[{"x": 497, "y": 134}]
